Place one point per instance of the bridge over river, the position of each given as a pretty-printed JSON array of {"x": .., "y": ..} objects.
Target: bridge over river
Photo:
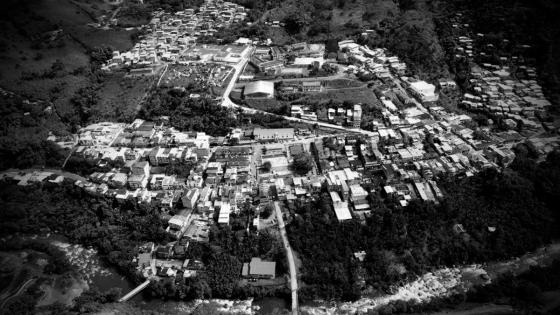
[{"x": 135, "y": 291}]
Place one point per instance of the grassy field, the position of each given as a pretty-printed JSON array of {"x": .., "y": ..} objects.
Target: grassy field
[
  {"x": 120, "y": 96},
  {"x": 42, "y": 64},
  {"x": 358, "y": 95},
  {"x": 133, "y": 15},
  {"x": 342, "y": 84},
  {"x": 268, "y": 105}
]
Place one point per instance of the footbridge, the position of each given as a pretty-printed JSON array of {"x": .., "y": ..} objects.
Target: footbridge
[{"x": 135, "y": 291}]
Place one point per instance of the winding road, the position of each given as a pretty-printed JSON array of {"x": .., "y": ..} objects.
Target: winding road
[{"x": 21, "y": 289}]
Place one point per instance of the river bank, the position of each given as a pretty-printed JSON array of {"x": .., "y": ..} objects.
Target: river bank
[
  {"x": 441, "y": 283},
  {"x": 91, "y": 272}
]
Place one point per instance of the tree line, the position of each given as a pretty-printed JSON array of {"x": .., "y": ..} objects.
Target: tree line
[{"x": 113, "y": 228}]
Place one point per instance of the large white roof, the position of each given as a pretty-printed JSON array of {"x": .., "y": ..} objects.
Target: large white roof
[
  {"x": 265, "y": 87},
  {"x": 342, "y": 211}
]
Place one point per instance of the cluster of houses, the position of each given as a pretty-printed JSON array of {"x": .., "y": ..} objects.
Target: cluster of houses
[
  {"x": 397, "y": 162},
  {"x": 408, "y": 149},
  {"x": 497, "y": 93},
  {"x": 171, "y": 36},
  {"x": 366, "y": 61},
  {"x": 351, "y": 117},
  {"x": 501, "y": 86},
  {"x": 219, "y": 181}
]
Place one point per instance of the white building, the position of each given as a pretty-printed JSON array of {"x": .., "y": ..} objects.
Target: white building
[
  {"x": 273, "y": 134},
  {"x": 340, "y": 207},
  {"x": 259, "y": 89},
  {"x": 424, "y": 91},
  {"x": 225, "y": 210},
  {"x": 190, "y": 198}
]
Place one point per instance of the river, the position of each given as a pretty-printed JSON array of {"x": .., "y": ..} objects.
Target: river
[
  {"x": 96, "y": 274},
  {"x": 439, "y": 283}
]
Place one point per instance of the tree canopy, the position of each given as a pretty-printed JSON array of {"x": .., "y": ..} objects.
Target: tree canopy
[
  {"x": 503, "y": 214},
  {"x": 303, "y": 163}
]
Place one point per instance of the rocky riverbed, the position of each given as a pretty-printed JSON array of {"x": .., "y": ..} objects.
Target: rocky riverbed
[
  {"x": 84, "y": 259},
  {"x": 213, "y": 306},
  {"x": 441, "y": 283}
]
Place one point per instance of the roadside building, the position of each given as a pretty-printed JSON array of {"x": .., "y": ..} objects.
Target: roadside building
[
  {"x": 259, "y": 89},
  {"x": 357, "y": 116},
  {"x": 259, "y": 269},
  {"x": 306, "y": 62},
  {"x": 262, "y": 134},
  {"x": 311, "y": 86}
]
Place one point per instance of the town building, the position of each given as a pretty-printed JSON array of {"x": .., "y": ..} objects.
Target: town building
[
  {"x": 263, "y": 134},
  {"x": 311, "y": 86},
  {"x": 340, "y": 207},
  {"x": 259, "y": 269},
  {"x": 424, "y": 91},
  {"x": 259, "y": 89}
]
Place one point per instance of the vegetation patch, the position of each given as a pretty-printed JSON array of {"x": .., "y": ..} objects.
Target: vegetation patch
[{"x": 503, "y": 215}]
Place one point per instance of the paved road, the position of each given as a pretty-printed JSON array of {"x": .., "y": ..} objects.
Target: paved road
[
  {"x": 290, "y": 255},
  {"x": 226, "y": 101},
  {"x": 162, "y": 74}
]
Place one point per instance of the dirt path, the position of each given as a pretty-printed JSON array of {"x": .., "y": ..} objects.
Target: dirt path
[{"x": 21, "y": 289}]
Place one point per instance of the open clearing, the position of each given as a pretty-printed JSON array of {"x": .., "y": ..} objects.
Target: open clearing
[
  {"x": 120, "y": 96},
  {"x": 356, "y": 95}
]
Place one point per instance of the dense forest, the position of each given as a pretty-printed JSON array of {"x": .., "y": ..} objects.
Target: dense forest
[
  {"x": 24, "y": 128},
  {"x": 114, "y": 229},
  {"x": 503, "y": 214}
]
